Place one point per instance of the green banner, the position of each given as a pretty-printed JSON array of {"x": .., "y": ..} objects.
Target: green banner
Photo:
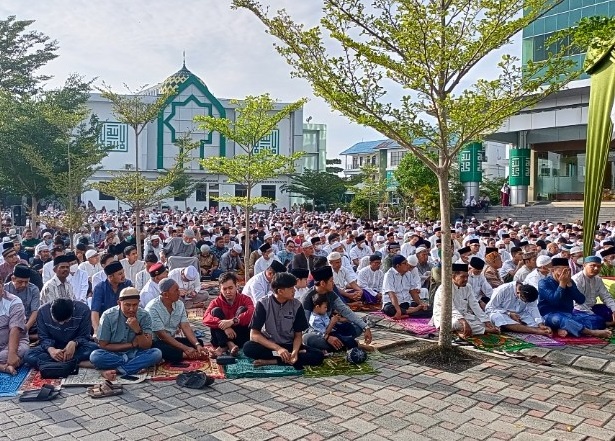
[
  {"x": 519, "y": 167},
  {"x": 470, "y": 159}
]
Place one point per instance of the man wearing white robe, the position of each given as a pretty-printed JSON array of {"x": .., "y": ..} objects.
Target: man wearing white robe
[
  {"x": 476, "y": 279},
  {"x": 260, "y": 285},
  {"x": 542, "y": 270},
  {"x": 590, "y": 284},
  {"x": 371, "y": 277},
  {"x": 514, "y": 307}
]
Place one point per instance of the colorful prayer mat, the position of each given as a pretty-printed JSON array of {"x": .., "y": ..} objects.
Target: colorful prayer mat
[
  {"x": 90, "y": 377},
  {"x": 365, "y": 307},
  {"x": 338, "y": 365},
  {"x": 538, "y": 340},
  {"x": 417, "y": 326},
  {"x": 571, "y": 340},
  {"x": 195, "y": 313},
  {"x": 498, "y": 342},
  {"x": 166, "y": 372},
  {"x": 245, "y": 369},
  {"x": 34, "y": 381},
  {"x": 10, "y": 384}
]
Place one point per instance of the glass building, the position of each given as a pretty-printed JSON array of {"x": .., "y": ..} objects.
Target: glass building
[{"x": 555, "y": 130}]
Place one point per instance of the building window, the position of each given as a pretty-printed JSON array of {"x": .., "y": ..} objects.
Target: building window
[
  {"x": 355, "y": 162},
  {"x": 201, "y": 192},
  {"x": 396, "y": 157},
  {"x": 105, "y": 197},
  {"x": 268, "y": 191},
  {"x": 241, "y": 191}
]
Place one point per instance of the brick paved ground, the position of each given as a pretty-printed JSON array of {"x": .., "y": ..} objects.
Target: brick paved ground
[{"x": 500, "y": 399}]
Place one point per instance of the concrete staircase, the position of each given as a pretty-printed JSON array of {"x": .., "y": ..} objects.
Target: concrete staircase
[{"x": 555, "y": 212}]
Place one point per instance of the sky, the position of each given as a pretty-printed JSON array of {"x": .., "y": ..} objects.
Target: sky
[{"x": 140, "y": 42}]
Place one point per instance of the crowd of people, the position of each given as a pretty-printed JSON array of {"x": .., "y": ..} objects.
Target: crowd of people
[{"x": 89, "y": 300}]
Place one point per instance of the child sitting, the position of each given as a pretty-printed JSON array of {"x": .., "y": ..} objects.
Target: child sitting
[{"x": 324, "y": 325}]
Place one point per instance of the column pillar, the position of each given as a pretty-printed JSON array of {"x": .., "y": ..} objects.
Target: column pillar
[
  {"x": 470, "y": 168},
  {"x": 519, "y": 171}
]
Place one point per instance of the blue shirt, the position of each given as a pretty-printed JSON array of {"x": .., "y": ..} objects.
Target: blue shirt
[
  {"x": 104, "y": 298},
  {"x": 55, "y": 335},
  {"x": 554, "y": 298}
]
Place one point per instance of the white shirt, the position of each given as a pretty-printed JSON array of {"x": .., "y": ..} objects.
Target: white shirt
[
  {"x": 89, "y": 268},
  {"x": 479, "y": 284},
  {"x": 370, "y": 281},
  {"x": 343, "y": 278},
  {"x": 504, "y": 299},
  {"x": 54, "y": 289},
  {"x": 592, "y": 288},
  {"x": 257, "y": 287},
  {"x": 357, "y": 253},
  {"x": 407, "y": 249},
  {"x": 176, "y": 274},
  {"x": 465, "y": 306},
  {"x": 150, "y": 291},
  {"x": 48, "y": 273},
  {"x": 79, "y": 282},
  {"x": 398, "y": 284},
  {"x": 131, "y": 270},
  {"x": 142, "y": 279},
  {"x": 97, "y": 278},
  {"x": 262, "y": 264},
  {"x": 533, "y": 278}
]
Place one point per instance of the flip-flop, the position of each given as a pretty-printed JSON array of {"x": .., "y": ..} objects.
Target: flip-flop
[
  {"x": 194, "y": 380},
  {"x": 103, "y": 390},
  {"x": 46, "y": 393}
]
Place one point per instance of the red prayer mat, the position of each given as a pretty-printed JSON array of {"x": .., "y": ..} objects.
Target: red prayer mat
[
  {"x": 34, "y": 381},
  {"x": 570, "y": 340},
  {"x": 166, "y": 372}
]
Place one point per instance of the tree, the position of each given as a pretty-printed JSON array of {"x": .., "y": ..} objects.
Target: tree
[
  {"x": 36, "y": 135},
  {"x": 22, "y": 53},
  {"x": 369, "y": 193},
  {"x": 137, "y": 110},
  {"x": 322, "y": 188},
  {"x": 404, "y": 67},
  {"x": 331, "y": 166},
  {"x": 182, "y": 185},
  {"x": 256, "y": 117},
  {"x": 492, "y": 187},
  {"x": 416, "y": 182}
]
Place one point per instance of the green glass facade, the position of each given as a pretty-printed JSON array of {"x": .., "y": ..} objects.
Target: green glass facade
[{"x": 566, "y": 14}]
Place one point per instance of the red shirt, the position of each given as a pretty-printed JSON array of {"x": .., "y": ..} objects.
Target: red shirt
[{"x": 229, "y": 310}]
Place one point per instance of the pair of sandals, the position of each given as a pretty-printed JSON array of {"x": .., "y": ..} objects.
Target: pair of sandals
[
  {"x": 105, "y": 389},
  {"x": 194, "y": 380},
  {"x": 46, "y": 393}
]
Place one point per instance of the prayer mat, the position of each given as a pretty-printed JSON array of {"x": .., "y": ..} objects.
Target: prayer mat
[
  {"x": 195, "y": 313},
  {"x": 539, "y": 340},
  {"x": 10, "y": 384},
  {"x": 338, "y": 365},
  {"x": 417, "y": 326},
  {"x": 34, "y": 381},
  {"x": 244, "y": 369},
  {"x": 571, "y": 340},
  {"x": 166, "y": 372},
  {"x": 366, "y": 307},
  {"x": 498, "y": 342},
  {"x": 90, "y": 377}
]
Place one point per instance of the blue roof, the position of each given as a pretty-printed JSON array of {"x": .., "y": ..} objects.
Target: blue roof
[{"x": 372, "y": 146}]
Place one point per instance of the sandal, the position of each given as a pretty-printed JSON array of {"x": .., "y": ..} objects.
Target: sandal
[
  {"x": 46, "y": 393},
  {"x": 194, "y": 380},
  {"x": 235, "y": 351},
  {"x": 103, "y": 390}
]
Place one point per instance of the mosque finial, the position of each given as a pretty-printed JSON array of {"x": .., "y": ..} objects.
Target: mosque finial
[{"x": 184, "y": 59}]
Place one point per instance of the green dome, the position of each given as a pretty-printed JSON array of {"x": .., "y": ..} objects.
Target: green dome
[{"x": 174, "y": 81}]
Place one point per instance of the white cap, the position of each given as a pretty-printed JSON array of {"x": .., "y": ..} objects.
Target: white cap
[
  {"x": 543, "y": 261},
  {"x": 237, "y": 248},
  {"x": 155, "y": 237},
  {"x": 91, "y": 253},
  {"x": 420, "y": 250},
  {"x": 574, "y": 250},
  {"x": 334, "y": 256},
  {"x": 412, "y": 260},
  {"x": 380, "y": 239},
  {"x": 190, "y": 273},
  {"x": 306, "y": 244},
  {"x": 335, "y": 245}
]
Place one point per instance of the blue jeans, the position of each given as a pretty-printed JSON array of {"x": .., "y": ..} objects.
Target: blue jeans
[
  {"x": 126, "y": 363},
  {"x": 574, "y": 322}
]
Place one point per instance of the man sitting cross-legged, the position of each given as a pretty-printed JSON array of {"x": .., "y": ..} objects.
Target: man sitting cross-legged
[
  {"x": 401, "y": 291},
  {"x": 513, "y": 308},
  {"x": 64, "y": 329},
  {"x": 468, "y": 318},
  {"x": 590, "y": 284},
  {"x": 277, "y": 327},
  {"x": 557, "y": 295},
  {"x": 13, "y": 337},
  {"x": 29, "y": 295},
  {"x": 125, "y": 338},
  {"x": 168, "y": 314},
  {"x": 228, "y": 317}
]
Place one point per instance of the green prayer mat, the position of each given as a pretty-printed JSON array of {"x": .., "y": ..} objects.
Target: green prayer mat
[
  {"x": 498, "y": 342},
  {"x": 244, "y": 369},
  {"x": 338, "y": 365}
]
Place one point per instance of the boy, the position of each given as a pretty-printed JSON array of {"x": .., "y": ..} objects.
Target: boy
[{"x": 321, "y": 324}]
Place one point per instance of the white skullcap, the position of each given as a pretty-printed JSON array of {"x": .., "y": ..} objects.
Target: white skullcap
[
  {"x": 190, "y": 273},
  {"x": 412, "y": 260},
  {"x": 204, "y": 248},
  {"x": 543, "y": 261},
  {"x": 237, "y": 248},
  {"x": 334, "y": 256},
  {"x": 306, "y": 244},
  {"x": 574, "y": 250},
  {"x": 91, "y": 253},
  {"x": 420, "y": 250},
  {"x": 155, "y": 237},
  {"x": 380, "y": 239},
  {"x": 335, "y": 245}
]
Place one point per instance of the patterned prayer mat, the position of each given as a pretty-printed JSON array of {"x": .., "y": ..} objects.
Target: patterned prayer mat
[
  {"x": 366, "y": 307},
  {"x": 244, "y": 369},
  {"x": 498, "y": 342},
  {"x": 90, "y": 377},
  {"x": 417, "y": 326},
  {"x": 166, "y": 372},
  {"x": 538, "y": 340},
  {"x": 570, "y": 340},
  {"x": 34, "y": 381},
  {"x": 195, "y": 313},
  {"x": 338, "y": 365},
  {"x": 10, "y": 384}
]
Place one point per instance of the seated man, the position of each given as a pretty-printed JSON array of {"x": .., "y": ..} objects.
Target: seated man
[
  {"x": 58, "y": 286},
  {"x": 151, "y": 290},
  {"x": 231, "y": 260},
  {"x": 13, "y": 336},
  {"x": 143, "y": 276},
  {"x": 371, "y": 277},
  {"x": 64, "y": 329},
  {"x": 493, "y": 261},
  {"x": 228, "y": 317},
  {"x": 352, "y": 325},
  {"x": 481, "y": 288},
  {"x": 260, "y": 285},
  {"x": 468, "y": 318},
  {"x": 557, "y": 295},
  {"x": 125, "y": 338},
  {"x": 189, "y": 284},
  {"x": 513, "y": 308},
  {"x": 590, "y": 284},
  {"x": 401, "y": 293},
  {"x": 168, "y": 314},
  {"x": 107, "y": 293},
  {"x": 208, "y": 264},
  {"x": 265, "y": 260},
  {"x": 29, "y": 295},
  {"x": 542, "y": 270},
  {"x": 346, "y": 282},
  {"x": 277, "y": 326}
]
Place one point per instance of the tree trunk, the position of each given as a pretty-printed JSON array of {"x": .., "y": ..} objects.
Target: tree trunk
[
  {"x": 445, "y": 340},
  {"x": 246, "y": 240},
  {"x": 138, "y": 231},
  {"x": 34, "y": 214}
]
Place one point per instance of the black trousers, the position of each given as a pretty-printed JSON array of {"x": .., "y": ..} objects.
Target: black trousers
[
  {"x": 311, "y": 356},
  {"x": 219, "y": 338},
  {"x": 389, "y": 310},
  {"x": 171, "y": 353}
]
